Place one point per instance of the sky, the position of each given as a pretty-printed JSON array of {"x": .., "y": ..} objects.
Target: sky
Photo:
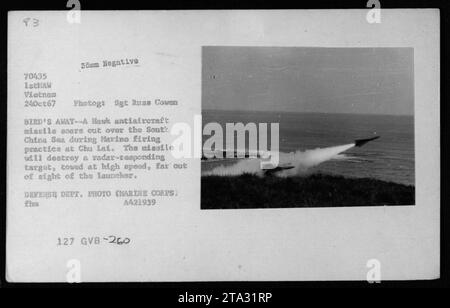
[{"x": 309, "y": 79}]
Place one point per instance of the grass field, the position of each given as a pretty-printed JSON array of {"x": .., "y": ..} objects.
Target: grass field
[{"x": 317, "y": 190}]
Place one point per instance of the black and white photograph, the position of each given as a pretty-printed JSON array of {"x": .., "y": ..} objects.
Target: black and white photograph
[
  {"x": 224, "y": 152},
  {"x": 346, "y": 126}
]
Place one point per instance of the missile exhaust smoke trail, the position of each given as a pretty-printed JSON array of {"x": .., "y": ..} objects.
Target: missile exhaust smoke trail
[
  {"x": 303, "y": 160},
  {"x": 300, "y": 160}
]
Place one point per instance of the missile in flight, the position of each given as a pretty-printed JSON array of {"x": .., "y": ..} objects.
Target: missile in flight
[{"x": 361, "y": 142}]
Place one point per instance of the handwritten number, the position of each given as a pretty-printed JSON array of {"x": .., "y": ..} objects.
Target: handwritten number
[
  {"x": 34, "y": 23},
  {"x": 117, "y": 240},
  {"x": 26, "y": 20}
]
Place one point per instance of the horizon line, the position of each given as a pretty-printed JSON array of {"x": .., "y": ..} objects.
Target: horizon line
[{"x": 311, "y": 112}]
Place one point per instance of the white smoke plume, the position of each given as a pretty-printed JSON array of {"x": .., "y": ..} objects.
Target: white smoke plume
[{"x": 300, "y": 160}]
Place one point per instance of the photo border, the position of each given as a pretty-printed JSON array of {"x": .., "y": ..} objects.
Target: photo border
[{"x": 285, "y": 290}]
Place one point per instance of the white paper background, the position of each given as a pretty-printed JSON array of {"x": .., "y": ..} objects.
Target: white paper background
[{"x": 176, "y": 241}]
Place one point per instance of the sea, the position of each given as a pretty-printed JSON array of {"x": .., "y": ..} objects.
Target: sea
[{"x": 389, "y": 158}]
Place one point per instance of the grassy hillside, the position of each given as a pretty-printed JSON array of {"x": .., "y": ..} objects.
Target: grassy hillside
[{"x": 317, "y": 190}]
